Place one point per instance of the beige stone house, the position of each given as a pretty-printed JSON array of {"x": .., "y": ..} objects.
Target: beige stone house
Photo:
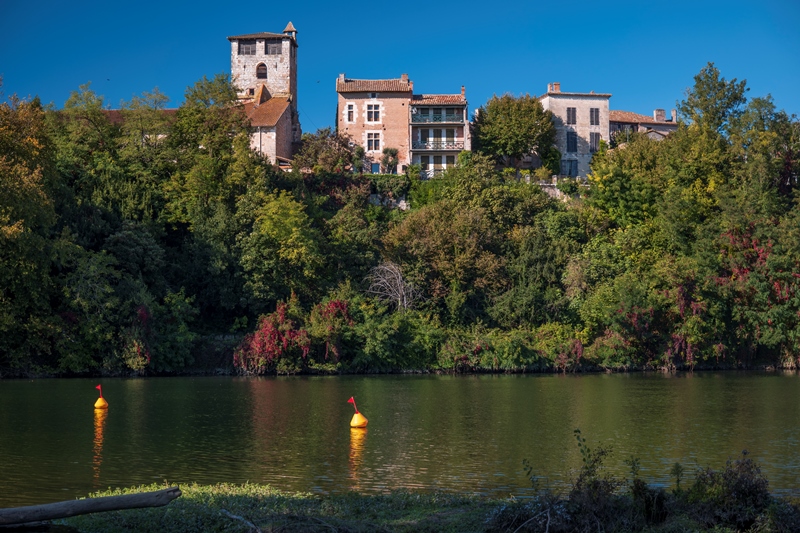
[
  {"x": 426, "y": 129},
  {"x": 264, "y": 71},
  {"x": 656, "y": 127},
  {"x": 582, "y": 121}
]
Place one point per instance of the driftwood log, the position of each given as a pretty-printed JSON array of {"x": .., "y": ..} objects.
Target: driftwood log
[{"x": 52, "y": 511}]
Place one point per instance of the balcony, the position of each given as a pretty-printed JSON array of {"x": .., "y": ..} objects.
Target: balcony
[
  {"x": 417, "y": 118},
  {"x": 438, "y": 145}
]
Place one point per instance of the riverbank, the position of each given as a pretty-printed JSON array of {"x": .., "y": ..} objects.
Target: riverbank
[{"x": 727, "y": 501}]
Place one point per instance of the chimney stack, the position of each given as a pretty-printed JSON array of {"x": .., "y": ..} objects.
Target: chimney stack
[
  {"x": 404, "y": 78},
  {"x": 674, "y": 116},
  {"x": 463, "y": 90},
  {"x": 341, "y": 76},
  {"x": 659, "y": 115}
]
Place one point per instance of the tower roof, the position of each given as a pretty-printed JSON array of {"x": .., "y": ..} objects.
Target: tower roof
[{"x": 289, "y": 28}]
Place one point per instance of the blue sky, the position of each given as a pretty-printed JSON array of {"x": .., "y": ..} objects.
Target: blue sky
[{"x": 644, "y": 52}]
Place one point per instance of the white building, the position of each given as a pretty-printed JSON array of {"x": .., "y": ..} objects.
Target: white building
[{"x": 581, "y": 121}]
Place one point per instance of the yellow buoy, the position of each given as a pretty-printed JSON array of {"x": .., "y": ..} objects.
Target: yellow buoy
[
  {"x": 101, "y": 402},
  {"x": 358, "y": 420}
]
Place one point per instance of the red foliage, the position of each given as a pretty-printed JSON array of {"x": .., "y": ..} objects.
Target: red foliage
[{"x": 276, "y": 337}]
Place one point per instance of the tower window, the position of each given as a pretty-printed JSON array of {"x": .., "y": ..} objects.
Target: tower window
[
  {"x": 273, "y": 48},
  {"x": 247, "y": 48},
  {"x": 261, "y": 71}
]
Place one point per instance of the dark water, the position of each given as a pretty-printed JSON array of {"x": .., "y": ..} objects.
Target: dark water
[{"x": 467, "y": 433}]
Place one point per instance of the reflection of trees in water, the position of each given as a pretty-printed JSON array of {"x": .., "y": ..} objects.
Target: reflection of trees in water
[
  {"x": 358, "y": 440},
  {"x": 100, "y": 416}
]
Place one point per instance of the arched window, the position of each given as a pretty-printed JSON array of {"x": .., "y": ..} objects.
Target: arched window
[{"x": 261, "y": 71}]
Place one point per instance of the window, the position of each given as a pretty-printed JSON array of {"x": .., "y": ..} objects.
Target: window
[
  {"x": 247, "y": 48},
  {"x": 424, "y": 161},
  {"x": 273, "y": 48},
  {"x": 437, "y": 162},
  {"x": 373, "y": 95},
  {"x": 373, "y": 113},
  {"x": 251, "y": 91},
  {"x": 569, "y": 167},
  {"x": 261, "y": 71},
  {"x": 594, "y": 116},
  {"x": 451, "y": 161},
  {"x": 450, "y": 136},
  {"x": 376, "y": 168},
  {"x": 373, "y": 142},
  {"x": 572, "y": 116},
  {"x": 350, "y": 112},
  {"x": 572, "y": 142},
  {"x": 594, "y": 142},
  {"x": 423, "y": 136}
]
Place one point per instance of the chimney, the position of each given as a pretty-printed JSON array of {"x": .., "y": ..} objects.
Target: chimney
[
  {"x": 659, "y": 115},
  {"x": 557, "y": 87},
  {"x": 341, "y": 76},
  {"x": 463, "y": 90},
  {"x": 404, "y": 78},
  {"x": 674, "y": 114}
]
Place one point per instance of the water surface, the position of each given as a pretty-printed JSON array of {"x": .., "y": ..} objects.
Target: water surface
[{"x": 460, "y": 433}]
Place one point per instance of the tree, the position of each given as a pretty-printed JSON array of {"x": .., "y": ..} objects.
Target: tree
[
  {"x": 713, "y": 102},
  {"x": 509, "y": 128},
  {"x": 389, "y": 160},
  {"x": 324, "y": 152},
  {"x": 386, "y": 282}
]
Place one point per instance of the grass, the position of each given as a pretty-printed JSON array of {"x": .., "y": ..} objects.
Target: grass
[{"x": 251, "y": 507}]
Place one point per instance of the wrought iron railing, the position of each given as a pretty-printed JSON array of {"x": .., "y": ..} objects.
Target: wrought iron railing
[
  {"x": 420, "y": 118},
  {"x": 431, "y": 173},
  {"x": 437, "y": 145}
]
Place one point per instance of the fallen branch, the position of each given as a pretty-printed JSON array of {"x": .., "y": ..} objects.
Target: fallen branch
[{"x": 52, "y": 511}]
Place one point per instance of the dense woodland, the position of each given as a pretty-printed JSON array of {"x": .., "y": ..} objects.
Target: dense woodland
[{"x": 127, "y": 246}]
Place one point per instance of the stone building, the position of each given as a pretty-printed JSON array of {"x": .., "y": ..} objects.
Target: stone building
[
  {"x": 426, "y": 129},
  {"x": 582, "y": 121},
  {"x": 656, "y": 127},
  {"x": 264, "y": 71}
]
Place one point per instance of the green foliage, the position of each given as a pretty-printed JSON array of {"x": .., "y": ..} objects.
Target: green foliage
[{"x": 508, "y": 128}]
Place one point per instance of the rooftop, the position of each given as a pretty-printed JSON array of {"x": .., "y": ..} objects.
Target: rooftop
[
  {"x": 634, "y": 118},
  {"x": 438, "y": 99},
  {"x": 347, "y": 85},
  {"x": 268, "y": 113}
]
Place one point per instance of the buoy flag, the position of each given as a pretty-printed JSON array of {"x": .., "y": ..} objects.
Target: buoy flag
[{"x": 353, "y": 401}]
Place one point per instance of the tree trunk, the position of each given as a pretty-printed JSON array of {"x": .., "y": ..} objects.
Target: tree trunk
[{"x": 52, "y": 511}]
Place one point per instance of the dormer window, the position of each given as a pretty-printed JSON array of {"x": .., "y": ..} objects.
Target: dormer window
[
  {"x": 247, "y": 48},
  {"x": 261, "y": 71}
]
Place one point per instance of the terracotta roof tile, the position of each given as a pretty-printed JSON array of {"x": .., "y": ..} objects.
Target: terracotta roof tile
[
  {"x": 634, "y": 118},
  {"x": 438, "y": 99},
  {"x": 357, "y": 86},
  {"x": 267, "y": 114}
]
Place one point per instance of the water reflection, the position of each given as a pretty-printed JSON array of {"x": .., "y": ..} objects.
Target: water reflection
[
  {"x": 358, "y": 441},
  {"x": 100, "y": 416}
]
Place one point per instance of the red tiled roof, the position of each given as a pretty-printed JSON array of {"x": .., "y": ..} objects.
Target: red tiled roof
[
  {"x": 438, "y": 99},
  {"x": 267, "y": 114},
  {"x": 359, "y": 86},
  {"x": 117, "y": 116},
  {"x": 634, "y": 118}
]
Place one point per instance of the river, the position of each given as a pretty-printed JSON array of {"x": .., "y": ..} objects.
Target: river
[{"x": 452, "y": 433}]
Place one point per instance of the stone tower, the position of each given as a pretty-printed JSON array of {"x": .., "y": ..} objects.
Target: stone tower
[{"x": 267, "y": 60}]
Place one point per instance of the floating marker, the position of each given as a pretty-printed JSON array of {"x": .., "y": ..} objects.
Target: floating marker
[
  {"x": 358, "y": 420},
  {"x": 101, "y": 402}
]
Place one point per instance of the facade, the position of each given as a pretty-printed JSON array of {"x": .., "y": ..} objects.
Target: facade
[
  {"x": 426, "y": 129},
  {"x": 582, "y": 121},
  {"x": 657, "y": 127},
  {"x": 264, "y": 71}
]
